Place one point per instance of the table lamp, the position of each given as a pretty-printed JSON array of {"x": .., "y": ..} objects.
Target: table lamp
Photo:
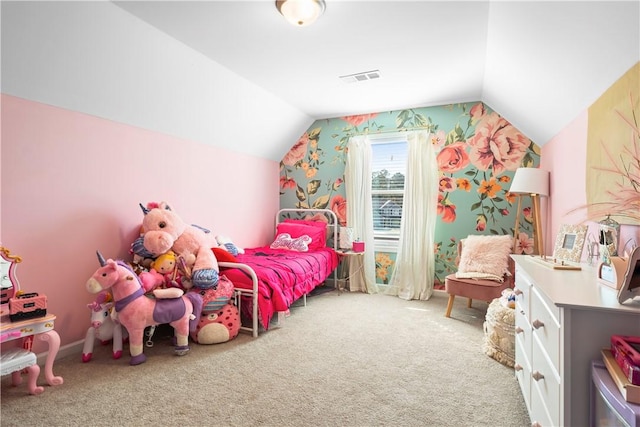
[{"x": 535, "y": 183}]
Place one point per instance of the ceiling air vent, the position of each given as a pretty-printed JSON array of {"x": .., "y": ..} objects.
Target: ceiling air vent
[{"x": 361, "y": 77}]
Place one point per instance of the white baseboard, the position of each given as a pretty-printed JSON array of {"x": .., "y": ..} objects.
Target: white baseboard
[{"x": 74, "y": 348}]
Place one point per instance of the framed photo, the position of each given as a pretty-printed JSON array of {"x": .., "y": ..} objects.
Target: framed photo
[
  {"x": 569, "y": 242},
  {"x": 631, "y": 283}
]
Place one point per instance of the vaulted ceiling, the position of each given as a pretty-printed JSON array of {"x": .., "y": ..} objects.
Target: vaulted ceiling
[{"x": 539, "y": 64}]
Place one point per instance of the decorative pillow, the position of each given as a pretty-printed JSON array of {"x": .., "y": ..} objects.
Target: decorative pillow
[
  {"x": 321, "y": 222},
  {"x": 485, "y": 257},
  {"x": 285, "y": 241},
  {"x": 316, "y": 233},
  {"x": 223, "y": 255}
]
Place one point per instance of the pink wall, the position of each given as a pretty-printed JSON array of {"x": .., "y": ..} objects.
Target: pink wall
[
  {"x": 565, "y": 156},
  {"x": 71, "y": 184}
]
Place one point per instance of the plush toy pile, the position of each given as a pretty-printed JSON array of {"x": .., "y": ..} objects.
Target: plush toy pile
[{"x": 172, "y": 256}]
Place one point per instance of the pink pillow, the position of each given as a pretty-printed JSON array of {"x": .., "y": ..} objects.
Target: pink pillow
[
  {"x": 297, "y": 229},
  {"x": 284, "y": 241},
  {"x": 319, "y": 224},
  {"x": 485, "y": 257}
]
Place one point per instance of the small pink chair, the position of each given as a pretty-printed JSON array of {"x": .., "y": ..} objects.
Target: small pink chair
[
  {"x": 480, "y": 289},
  {"x": 14, "y": 361}
]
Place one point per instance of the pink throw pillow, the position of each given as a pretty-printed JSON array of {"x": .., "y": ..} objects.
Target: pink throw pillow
[
  {"x": 296, "y": 229},
  {"x": 285, "y": 241},
  {"x": 485, "y": 257}
]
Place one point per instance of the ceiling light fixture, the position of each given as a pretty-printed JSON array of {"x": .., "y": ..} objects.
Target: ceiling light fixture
[{"x": 300, "y": 12}]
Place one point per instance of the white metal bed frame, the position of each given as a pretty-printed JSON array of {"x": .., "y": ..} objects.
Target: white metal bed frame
[{"x": 253, "y": 293}]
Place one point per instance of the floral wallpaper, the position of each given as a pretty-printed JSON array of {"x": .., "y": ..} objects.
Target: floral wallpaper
[{"x": 477, "y": 153}]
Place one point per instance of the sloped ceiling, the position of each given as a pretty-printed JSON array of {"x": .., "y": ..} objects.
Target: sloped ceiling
[{"x": 539, "y": 64}]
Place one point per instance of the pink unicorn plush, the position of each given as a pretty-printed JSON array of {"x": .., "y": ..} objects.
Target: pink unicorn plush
[
  {"x": 164, "y": 230},
  {"x": 136, "y": 311}
]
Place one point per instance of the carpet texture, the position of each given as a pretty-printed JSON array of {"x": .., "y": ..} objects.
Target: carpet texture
[{"x": 346, "y": 359}]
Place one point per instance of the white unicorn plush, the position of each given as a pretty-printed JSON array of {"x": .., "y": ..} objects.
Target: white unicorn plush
[{"x": 104, "y": 327}]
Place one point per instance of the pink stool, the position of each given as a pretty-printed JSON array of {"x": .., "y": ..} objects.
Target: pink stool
[{"x": 14, "y": 361}]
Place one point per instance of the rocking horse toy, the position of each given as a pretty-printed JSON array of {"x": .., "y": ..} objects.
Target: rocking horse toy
[{"x": 137, "y": 311}]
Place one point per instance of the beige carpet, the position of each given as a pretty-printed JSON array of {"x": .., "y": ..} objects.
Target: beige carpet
[{"x": 344, "y": 360}]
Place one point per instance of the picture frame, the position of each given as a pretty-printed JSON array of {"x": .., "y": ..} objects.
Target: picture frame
[
  {"x": 570, "y": 242},
  {"x": 631, "y": 282}
]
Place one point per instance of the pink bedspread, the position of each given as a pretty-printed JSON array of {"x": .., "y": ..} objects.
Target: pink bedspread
[{"x": 283, "y": 276}]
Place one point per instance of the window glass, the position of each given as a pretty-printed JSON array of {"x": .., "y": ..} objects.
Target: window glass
[{"x": 387, "y": 187}]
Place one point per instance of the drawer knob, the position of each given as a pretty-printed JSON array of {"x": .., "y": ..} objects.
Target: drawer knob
[
  {"x": 536, "y": 424},
  {"x": 537, "y": 376},
  {"x": 517, "y": 291},
  {"x": 537, "y": 324},
  {"x": 517, "y": 367},
  {"x": 519, "y": 330}
]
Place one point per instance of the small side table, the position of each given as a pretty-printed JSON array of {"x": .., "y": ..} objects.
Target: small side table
[{"x": 342, "y": 280}]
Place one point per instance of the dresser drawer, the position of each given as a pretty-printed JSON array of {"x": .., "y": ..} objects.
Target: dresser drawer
[
  {"x": 522, "y": 290},
  {"x": 522, "y": 370},
  {"x": 545, "y": 389},
  {"x": 546, "y": 326},
  {"x": 522, "y": 330}
]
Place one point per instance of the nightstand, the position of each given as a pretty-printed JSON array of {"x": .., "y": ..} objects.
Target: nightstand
[{"x": 345, "y": 255}]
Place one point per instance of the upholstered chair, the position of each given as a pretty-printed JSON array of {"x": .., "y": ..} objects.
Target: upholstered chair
[{"x": 479, "y": 288}]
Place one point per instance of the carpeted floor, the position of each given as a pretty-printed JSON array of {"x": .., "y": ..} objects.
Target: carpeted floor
[{"x": 346, "y": 359}]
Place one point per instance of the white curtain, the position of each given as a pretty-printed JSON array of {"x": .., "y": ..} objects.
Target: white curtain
[
  {"x": 413, "y": 275},
  {"x": 357, "y": 177}
]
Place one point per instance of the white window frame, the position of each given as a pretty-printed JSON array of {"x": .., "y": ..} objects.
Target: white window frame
[{"x": 387, "y": 240}]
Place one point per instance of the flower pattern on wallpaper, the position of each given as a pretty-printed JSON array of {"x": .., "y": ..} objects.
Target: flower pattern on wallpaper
[
  {"x": 384, "y": 264},
  {"x": 307, "y": 156},
  {"x": 476, "y": 156},
  {"x": 495, "y": 147}
]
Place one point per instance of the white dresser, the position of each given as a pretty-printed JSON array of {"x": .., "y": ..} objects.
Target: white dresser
[{"x": 563, "y": 320}]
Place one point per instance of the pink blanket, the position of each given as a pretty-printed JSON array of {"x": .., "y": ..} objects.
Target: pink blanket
[{"x": 283, "y": 276}]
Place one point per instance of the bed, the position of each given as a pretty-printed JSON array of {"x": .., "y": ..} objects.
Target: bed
[{"x": 269, "y": 279}]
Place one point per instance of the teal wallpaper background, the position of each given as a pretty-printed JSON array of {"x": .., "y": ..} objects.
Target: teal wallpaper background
[{"x": 477, "y": 153}]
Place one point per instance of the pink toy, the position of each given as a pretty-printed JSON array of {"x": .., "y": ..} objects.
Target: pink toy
[
  {"x": 163, "y": 274},
  {"x": 136, "y": 311},
  {"x": 217, "y": 327},
  {"x": 164, "y": 231},
  {"x": 103, "y": 327}
]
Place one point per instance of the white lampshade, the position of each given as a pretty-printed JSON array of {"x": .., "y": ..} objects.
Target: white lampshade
[
  {"x": 346, "y": 238},
  {"x": 301, "y": 12},
  {"x": 530, "y": 181}
]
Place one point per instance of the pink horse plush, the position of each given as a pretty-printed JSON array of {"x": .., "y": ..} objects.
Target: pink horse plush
[
  {"x": 136, "y": 311},
  {"x": 164, "y": 230}
]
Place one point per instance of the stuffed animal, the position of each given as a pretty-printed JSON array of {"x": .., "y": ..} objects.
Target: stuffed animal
[
  {"x": 137, "y": 311},
  {"x": 228, "y": 245},
  {"x": 104, "y": 327},
  {"x": 214, "y": 299},
  {"x": 218, "y": 326},
  {"x": 508, "y": 298},
  {"x": 164, "y": 230}
]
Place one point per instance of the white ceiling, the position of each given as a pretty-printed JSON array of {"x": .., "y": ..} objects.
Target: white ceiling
[{"x": 539, "y": 64}]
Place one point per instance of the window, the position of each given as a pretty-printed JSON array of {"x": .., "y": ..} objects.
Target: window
[{"x": 389, "y": 162}]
